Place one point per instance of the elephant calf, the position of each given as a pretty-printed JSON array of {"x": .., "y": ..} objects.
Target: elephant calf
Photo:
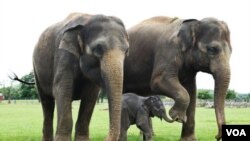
[{"x": 139, "y": 110}]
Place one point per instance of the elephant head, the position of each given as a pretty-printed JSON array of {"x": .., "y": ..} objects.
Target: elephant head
[
  {"x": 206, "y": 44},
  {"x": 102, "y": 42},
  {"x": 156, "y": 108}
]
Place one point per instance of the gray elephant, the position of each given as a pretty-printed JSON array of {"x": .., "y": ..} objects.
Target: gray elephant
[
  {"x": 72, "y": 60},
  {"x": 139, "y": 110},
  {"x": 166, "y": 54}
]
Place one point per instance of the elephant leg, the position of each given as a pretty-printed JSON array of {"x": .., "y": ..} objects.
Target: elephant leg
[
  {"x": 188, "y": 128},
  {"x": 171, "y": 87},
  {"x": 123, "y": 135},
  {"x": 48, "y": 105},
  {"x": 147, "y": 135},
  {"x": 125, "y": 123},
  {"x": 62, "y": 91},
  {"x": 64, "y": 119},
  {"x": 143, "y": 124},
  {"x": 90, "y": 94},
  {"x": 151, "y": 126}
]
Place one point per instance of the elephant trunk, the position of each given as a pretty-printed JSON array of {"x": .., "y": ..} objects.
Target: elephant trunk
[
  {"x": 112, "y": 73},
  {"x": 222, "y": 78},
  {"x": 166, "y": 118}
]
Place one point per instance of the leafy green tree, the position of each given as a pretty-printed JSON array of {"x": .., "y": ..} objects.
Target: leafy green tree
[
  {"x": 248, "y": 97},
  {"x": 9, "y": 93},
  {"x": 27, "y": 91},
  {"x": 231, "y": 94},
  {"x": 6, "y": 92},
  {"x": 204, "y": 94}
]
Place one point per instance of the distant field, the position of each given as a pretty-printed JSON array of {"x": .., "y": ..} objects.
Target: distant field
[{"x": 23, "y": 122}]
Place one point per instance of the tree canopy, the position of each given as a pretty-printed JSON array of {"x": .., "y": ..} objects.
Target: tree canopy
[{"x": 21, "y": 91}]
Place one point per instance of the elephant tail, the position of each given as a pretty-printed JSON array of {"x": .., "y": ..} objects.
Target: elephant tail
[{"x": 15, "y": 77}]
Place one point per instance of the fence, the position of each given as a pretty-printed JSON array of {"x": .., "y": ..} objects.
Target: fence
[
  {"x": 210, "y": 103},
  {"x": 166, "y": 102}
]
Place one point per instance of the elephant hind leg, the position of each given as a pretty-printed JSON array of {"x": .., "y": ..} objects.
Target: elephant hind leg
[
  {"x": 48, "y": 106},
  {"x": 123, "y": 135}
]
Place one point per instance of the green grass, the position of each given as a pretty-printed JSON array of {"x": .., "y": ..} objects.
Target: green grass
[{"x": 23, "y": 122}]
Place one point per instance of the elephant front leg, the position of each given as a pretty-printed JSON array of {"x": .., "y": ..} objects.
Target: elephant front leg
[
  {"x": 125, "y": 123},
  {"x": 90, "y": 94},
  {"x": 143, "y": 124},
  {"x": 64, "y": 119},
  {"x": 188, "y": 128},
  {"x": 172, "y": 88},
  {"x": 151, "y": 126},
  {"x": 62, "y": 92}
]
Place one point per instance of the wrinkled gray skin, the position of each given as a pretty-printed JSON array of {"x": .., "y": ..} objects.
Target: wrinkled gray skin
[
  {"x": 72, "y": 60},
  {"x": 166, "y": 54},
  {"x": 139, "y": 110}
]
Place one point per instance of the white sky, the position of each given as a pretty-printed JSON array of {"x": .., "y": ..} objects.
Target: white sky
[{"x": 22, "y": 21}]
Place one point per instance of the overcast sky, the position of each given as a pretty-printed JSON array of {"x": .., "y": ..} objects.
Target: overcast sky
[{"x": 22, "y": 22}]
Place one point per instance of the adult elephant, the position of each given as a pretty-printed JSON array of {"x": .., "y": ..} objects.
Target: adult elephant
[
  {"x": 72, "y": 59},
  {"x": 166, "y": 54}
]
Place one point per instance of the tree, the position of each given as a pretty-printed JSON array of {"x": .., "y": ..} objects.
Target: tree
[
  {"x": 204, "y": 94},
  {"x": 9, "y": 92},
  {"x": 248, "y": 98},
  {"x": 231, "y": 94},
  {"x": 27, "y": 91}
]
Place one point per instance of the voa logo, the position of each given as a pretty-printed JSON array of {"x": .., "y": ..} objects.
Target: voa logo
[{"x": 236, "y": 132}]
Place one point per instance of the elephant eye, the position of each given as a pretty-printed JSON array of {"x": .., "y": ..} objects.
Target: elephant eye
[
  {"x": 127, "y": 52},
  {"x": 212, "y": 50},
  {"x": 98, "y": 50}
]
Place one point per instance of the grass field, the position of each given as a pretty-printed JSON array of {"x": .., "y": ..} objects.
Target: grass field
[{"x": 23, "y": 122}]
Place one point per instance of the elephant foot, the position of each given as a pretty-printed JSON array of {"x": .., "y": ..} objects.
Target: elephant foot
[
  {"x": 189, "y": 138},
  {"x": 153, "y": 133},
  {"x": 47, "y": 139},
  {"x": 63, "y": 138},
  {"x": 178, "y": 114},
  {"x": 112, "y": 138},
  {"x": 218, "y": 136},
  {"x": 148, "y": 139},
  {"x": 82, "y": 138}
]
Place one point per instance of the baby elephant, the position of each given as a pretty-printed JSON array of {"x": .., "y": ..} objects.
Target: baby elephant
[{"x": 138, "y": 110}]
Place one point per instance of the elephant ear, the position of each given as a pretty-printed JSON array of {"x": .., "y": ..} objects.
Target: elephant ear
[
  {"x": 150, "y": 101},
  {"x": 119, "y": 21},
  {"x": 71, "y": 40},
  {"x": 188, "y": 33},
  {"x": 75, "y": 20},
  {"x": 153, "y": 105},
  {"x": 226, "y": 34},
  {"x": 147, "y": 103}
]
